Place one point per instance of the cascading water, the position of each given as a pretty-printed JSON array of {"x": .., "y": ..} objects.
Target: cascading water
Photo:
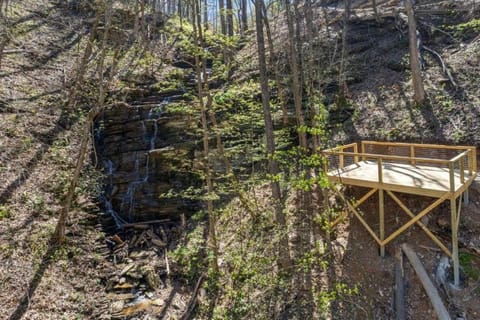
[
  {"x": 138, "y": 178},
  {"x": 107, "y": 200}
]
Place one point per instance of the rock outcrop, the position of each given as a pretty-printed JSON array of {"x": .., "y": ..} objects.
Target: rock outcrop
[{"x": 145, "y": 153}]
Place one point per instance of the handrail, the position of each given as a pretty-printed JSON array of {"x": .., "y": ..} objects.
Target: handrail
[
  {"x": 419, "y": 145},
  {"x": 459, "y": 156},
  {"x": 386, "y": 157},
  {"x": 345, "y": 146},
  {"x": 468, "y": 153}
]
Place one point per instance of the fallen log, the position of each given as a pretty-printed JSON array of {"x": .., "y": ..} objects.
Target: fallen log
[
  {"x": 143, "y": 224},
  {"x": 431, "y": 290}
]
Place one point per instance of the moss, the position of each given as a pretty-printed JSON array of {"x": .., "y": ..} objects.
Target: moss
[{"x": 469, "y": 264}]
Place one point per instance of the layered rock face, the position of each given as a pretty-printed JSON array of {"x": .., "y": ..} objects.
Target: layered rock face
[{"x": 144, "y": 153}]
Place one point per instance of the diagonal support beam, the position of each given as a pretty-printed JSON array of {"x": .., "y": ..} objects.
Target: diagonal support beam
[
  {"x": 358, "y": 215},
  {"x": 424, "y": 212},
  {"x": 356, "y": 205},
  {"x": 419, "y": 223}
]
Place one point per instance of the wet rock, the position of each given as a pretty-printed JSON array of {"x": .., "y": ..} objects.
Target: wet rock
[{"x": 135, "y": 176}]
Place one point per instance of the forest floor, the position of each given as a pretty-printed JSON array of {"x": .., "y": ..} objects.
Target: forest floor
[
  {"x": 38, "y": 144},
  {"x": 358, "y": 261}
]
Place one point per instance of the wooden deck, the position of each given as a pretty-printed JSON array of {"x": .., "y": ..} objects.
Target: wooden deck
[
  {"x": 399, "y": 177},
  {"x": 439, "y": 171}
]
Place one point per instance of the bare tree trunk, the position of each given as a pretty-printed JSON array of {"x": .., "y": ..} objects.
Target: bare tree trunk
[
  {"x": 205, "y": 14},
  {"x": 4, "y": 35},
  {"x": 82, "y": 66},
  {"x": 4, "y": 8},
  {"x": 244, "y": 17},
  {"x": 342, "y": 82},
  {"x": 180, "y": 14},
  {"x": 223, "y": 24},
  {"x": 419, "y": 91},
  {"x": 284, "y": 260},
  {"x": 136, "y": 22},
  {"x": 59, "y": 235},
  {"x": 229, "y": 18},
  {"x": 282, "y": 94},
  {"x": 296, "y": 85},
  {"x": 212, "y": 237}
]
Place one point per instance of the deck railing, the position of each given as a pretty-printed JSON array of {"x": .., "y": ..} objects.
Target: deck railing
[{"x": 464, "y": 163}]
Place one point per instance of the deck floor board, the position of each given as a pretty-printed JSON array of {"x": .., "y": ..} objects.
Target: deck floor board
[{"x": 413, "y": 179}]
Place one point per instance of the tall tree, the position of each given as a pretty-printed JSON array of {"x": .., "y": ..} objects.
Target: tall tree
[
  {"x": 229, "y": 16},
  {"x": 244, "y": 17},
  {"x": 202, "y": 83},
  {"x": 284, "y": 261},
  {"x": 205, "y": 14},
  {"x": 223, "y": 24},
  {"x": 296, "y": 84},
  {"x": 342, "y": 79},
  {"x": 59, "y": 234},
  {"x": 419, "y": 91},
  {"x": 282, "y": 91}
]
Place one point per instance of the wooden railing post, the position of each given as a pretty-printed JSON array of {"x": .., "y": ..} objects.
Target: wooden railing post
[
  {"x": 471, "y": 154},
  {"x": 341, "y": 158},
  {"x": 355, "y": 150},
  {"x": 474, "y": 159},
  {"x": 381, "y": 206},
  {"x": 462, "y": 173},
  {"x": 451, "y": 167},
  {"x": 362, "y": 146},
  {"x": 412, "y": 154}
]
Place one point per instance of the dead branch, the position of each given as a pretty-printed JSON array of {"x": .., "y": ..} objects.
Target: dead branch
[
  {"x": 445, "y": 70},
  {"x": 193, "y": 299},
  {"x": 144, "y": 224}
]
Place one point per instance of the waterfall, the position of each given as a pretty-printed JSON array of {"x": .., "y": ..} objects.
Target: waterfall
[
  {"x": 107, "y": 198},
  {"x": 149, "y": 128},
  {"x": 125, "y": 139}
]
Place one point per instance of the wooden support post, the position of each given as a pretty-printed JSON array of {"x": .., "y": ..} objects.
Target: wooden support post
[
  {"x": 454, "y": 227},
  {"x": 381, "y": 207},
  {"x": 381, "y": 202},
  {"x": 399, "y": 286},
  {"x": 432, "y": 292},
  {"x": 362, "y": 145}
]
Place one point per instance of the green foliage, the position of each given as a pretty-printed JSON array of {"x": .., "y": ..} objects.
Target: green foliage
[
  {"x": 340, "y": 291},
  {"x": 173, "y": 81},
  {"x": 469, "y": 263},
  {"x": 5, "y": 212},
  {"x": 249, "y": 278},
  {"x": 189, "y": 257},
  {"x": 466, "y": 29}
]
